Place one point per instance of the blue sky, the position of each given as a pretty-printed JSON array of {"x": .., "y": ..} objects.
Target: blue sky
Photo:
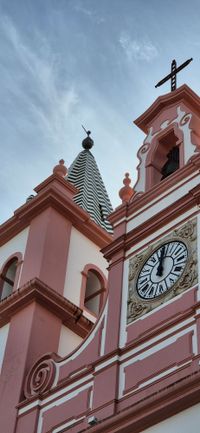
[{"x": 64, "y": 63}]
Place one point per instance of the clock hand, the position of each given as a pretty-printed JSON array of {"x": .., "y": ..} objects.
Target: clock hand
[{"x": 160, "y": 266}]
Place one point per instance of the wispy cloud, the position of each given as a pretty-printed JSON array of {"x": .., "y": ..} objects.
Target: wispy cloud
[
  {"x": 38, "y": 110},
  {"x": 48, "y": 100},
  {"x": 84, "y": 10},
  {"x": 137, "y": 49},
  {"x": 90, "y": 13}
]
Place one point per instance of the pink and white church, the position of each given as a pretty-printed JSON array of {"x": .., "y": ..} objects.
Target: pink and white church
[{"x": 100, "y": 309}]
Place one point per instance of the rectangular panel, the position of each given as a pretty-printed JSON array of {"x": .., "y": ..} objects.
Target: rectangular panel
[{"x": 143, "y": 369}]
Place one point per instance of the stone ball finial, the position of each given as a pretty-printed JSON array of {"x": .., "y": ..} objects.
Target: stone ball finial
[
  {"x": 126, "y": 191},
  {"x": 87, "y": 143},
  {"x": 60, "y": 168}
]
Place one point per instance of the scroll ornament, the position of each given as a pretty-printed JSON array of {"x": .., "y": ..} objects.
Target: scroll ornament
[{"x": 41, "y": 376}]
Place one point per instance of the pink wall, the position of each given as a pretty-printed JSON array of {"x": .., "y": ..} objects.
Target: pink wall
[
  {"x": 47, "y": 249},
  {"x": 33, "y": 331}
]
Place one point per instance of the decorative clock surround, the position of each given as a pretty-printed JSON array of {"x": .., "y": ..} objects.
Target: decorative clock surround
[{"x": 143, "y": 298}]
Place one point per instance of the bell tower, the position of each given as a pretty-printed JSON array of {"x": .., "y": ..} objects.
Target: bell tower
[
  {"x": 171, "y": 126},
  {"x": 157, "y": 243}
]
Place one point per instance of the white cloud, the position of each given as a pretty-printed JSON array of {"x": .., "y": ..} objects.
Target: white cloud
[
  {"x": 137, "y": 50},
  {"x": 49, "y": 101}
]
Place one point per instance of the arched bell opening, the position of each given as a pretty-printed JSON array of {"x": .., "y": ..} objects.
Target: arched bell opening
[{"x": 165, "y": 159}]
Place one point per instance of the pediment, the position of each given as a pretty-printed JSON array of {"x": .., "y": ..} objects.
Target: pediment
[{"x": 183, "y": 94}]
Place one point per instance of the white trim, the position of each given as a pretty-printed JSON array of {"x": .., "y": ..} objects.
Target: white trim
[
  {"x": 198, "y": 252},
  {"x": 123, "y": 331},
  {"x": 156, "y": 199},
  {"x": 155, "y": 378},
  {"x": 121, "y": 380},
  {"x": 158, "y": 376},
  {"x": 78, "y": 372},
  {"x": 29, "y": 407},
  {"x": 103, "y": 335},
  {"x": 88, "y": 339},
  {"x": 148, "y": 352},
  {"x": 106, "y": 363},
  {"x": 168, "y": 227},
  {"x": 166, "y": 192},
  {"x": 158, "y": 345},
  {"x": 195, "y": 341},
  {"x": 67, "y": 424},
  {"x": 56, "y": 394},
  {"x": 59, "y": 402},
  {"x": 160, "y": 337},
  {"x": 157, "y": 205},
  {"x": 91, "y": 398}
]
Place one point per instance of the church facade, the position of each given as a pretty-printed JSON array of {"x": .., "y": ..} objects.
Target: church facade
[{"x": 100, "y": 331}]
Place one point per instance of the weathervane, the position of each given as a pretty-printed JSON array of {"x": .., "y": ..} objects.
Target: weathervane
[
  {"x": 87, "y": 132},
  {"x": 87, "y": 143},
  {"x": 172, "y": 75}
]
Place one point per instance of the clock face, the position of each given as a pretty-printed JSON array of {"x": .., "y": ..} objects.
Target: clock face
[{"x": 162, "y": 270}]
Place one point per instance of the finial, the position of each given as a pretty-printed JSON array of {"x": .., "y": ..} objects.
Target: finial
[
  {"x": 87, "y": 143},
  {"x": 126, "y": 191},
  {"x": 172, "y": 75},
  {"x": 60, "y": 168}
]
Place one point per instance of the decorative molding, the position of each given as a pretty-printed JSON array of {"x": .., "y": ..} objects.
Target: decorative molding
[
  {"x": 41, "y": 376},
  {"x": 36, "y": 290},
  {"x": 185, "y": 119},
  {"x": 159, "y": 220},
  {"x": 142, "y": 199},
  {"x": 54, "y": 192},
  {"x": 137, "y": 306},
  {"x": 183, "y": 93}
]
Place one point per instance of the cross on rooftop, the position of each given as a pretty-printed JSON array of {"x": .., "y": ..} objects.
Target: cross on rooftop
[{"x": 172, "y": 75}]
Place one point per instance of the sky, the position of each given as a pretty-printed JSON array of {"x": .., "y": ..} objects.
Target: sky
[{"x": 64, "y": 63}]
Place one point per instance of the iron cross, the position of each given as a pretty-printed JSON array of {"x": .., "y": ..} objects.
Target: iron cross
[{"x": 172, "y": 75}]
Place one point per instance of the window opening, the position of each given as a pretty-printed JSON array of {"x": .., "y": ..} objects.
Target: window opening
[
  {"x": 93, "y": 293},
  {"x": 7, "y": 279}
]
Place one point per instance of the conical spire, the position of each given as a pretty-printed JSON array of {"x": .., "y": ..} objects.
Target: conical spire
[{"x": 92, "y": 195}]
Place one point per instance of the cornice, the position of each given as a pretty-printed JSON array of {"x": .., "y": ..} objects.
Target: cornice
[
  {"x": 36, "y": 290},
  {"x": 119, "y": 213},
  {"x": 142, "y": 199},
  {"x": 153, "y": 224},
  {"x": 164, "y": 186},
  {"x": 62, "y": 181},
  {"x": 53, "y": 195},
  {"x": 183, "y": 93}
]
